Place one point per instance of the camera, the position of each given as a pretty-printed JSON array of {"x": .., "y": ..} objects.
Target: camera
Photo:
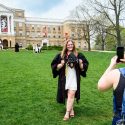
[
  {"x": 120, "y": 53},
  {"x": 72, "y": 60}
]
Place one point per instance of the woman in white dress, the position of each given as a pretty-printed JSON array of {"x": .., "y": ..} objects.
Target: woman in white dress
[
  {"x": 69, "y": 77},
  {"x": 71, "y": 83}
]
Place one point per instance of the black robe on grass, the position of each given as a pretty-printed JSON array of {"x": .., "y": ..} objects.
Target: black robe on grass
[{"x": 61, "y": 92}]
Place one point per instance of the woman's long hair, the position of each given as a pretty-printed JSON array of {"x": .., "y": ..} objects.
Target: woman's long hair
[{"x": 64, "y": 51}]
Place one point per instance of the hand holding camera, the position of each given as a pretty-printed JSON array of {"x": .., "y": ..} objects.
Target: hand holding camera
[{"x": 120, "y": 54}]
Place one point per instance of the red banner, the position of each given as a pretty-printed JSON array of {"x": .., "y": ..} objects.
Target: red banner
[{"x": 4, "y": 26}]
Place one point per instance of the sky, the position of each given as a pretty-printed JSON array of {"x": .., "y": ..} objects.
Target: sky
[{"x": 55, "y": 9}]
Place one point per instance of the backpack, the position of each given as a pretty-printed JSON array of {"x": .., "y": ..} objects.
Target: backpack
[{"x": 122, "y": 120}]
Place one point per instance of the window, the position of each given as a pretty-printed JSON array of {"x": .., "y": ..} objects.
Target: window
[
  {"x": 27, "y": 25},
  {"x": 32, "y": 27},
  {"x": 59, "y": 28},
  {"x": 38, "y": 34},
  {"x": 20, "y": 33},
  {"x": 20, "y": 14},
  {"x": 49, "y": 31},
  {"x": 14, "y": 24},
  {"x": 15, "y": 33},
  {"x": 72, "y": 35},
  {"x": 27, "y": 33},
  {"x": 38, "y": 26},
  {"x": 20, "y": 24}
]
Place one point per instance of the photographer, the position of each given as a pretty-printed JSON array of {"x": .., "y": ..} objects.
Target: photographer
[
  {"x": 115, "y": 78},
  {"x": 69, "y": 65}
]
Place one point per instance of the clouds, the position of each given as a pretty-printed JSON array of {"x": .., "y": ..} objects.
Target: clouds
[
  {"x": 62, "y": 10},
  {"x": 44, "y": 8}
]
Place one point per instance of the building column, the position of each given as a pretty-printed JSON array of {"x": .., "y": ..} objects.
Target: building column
[
  {"x": 12, "y": 25},
  {"x": 0, "y": 24},
  {"x": 8, "y": 24}
]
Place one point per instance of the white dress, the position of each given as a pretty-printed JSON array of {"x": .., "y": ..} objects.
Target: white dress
[{"x": 71, "y": 81}]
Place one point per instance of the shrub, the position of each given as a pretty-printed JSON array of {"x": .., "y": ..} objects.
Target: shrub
[
  {"x": 29, "y": 47},
  {"x": 55, "y": 48}
]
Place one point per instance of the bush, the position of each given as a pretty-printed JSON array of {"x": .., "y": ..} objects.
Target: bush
[
  {"x": 52, "y": 48},
  {"x": 44, "y": 47},
  {"x": 29, "y": 47},
  {"x": 55, "y": 48}
]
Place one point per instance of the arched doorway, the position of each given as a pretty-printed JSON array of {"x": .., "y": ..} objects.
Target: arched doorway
[
  {"x": 5, "y": 44},
  {"x": 45, "y": 42}
]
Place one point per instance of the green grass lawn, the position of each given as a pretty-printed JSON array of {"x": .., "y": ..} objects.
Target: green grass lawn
[{"x": 28, "y": 91}]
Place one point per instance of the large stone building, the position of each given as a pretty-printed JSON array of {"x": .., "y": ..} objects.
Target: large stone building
[{"x": 15, "y": 27}]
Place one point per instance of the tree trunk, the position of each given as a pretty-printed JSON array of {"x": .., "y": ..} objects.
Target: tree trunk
[
  {"x": 88, "y": 40},
  {"x": 118, "y": 37},
  {"x": 103, "y": 43},
  {"x": 89, "y": 47}
]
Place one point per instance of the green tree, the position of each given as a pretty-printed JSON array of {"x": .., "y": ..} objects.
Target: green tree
[
  {"x": 98, "y": 42},
  {"x": 110, "y": 42},
  {"x": 123, "y": 36},
  {"x": 113, "y": 11}
]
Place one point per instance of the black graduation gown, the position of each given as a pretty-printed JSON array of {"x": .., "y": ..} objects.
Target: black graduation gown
[
  {"x": 61, "y": 92},
  {"x": 16, "y": 47}
]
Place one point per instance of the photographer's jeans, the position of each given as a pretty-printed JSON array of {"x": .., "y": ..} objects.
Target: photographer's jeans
[{"x": 116, "y": 118}]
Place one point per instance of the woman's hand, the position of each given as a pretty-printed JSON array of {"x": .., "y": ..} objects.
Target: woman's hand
[
  {"x": 113, "y": 61},
  {"x": 62, "y": 62},
  {"x": 60, "y": 65},
  {"x": 123, "y": 60},
  {"x": 80, "y": 61},
  {"x": 81, "y": 64}
]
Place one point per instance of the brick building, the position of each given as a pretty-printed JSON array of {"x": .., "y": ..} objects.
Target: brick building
[{"x": 15, "y": 27}]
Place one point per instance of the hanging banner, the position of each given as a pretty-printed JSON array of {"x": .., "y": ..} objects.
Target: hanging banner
[{"x": 4, "y": 26}]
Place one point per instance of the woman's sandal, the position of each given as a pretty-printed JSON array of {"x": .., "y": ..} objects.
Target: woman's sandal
[
  {"x": 67, "y": 116},
  {"x": 72, "y": 114}
]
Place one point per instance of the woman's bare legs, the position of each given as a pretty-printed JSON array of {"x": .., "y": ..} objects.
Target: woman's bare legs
[{"x": 69, "y": 105}]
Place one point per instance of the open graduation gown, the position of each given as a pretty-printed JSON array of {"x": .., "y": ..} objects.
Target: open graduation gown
[{"x": 61, "y": 92}]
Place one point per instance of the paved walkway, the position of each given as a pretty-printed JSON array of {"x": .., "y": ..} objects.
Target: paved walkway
[{"x": 104, "y": 51}]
